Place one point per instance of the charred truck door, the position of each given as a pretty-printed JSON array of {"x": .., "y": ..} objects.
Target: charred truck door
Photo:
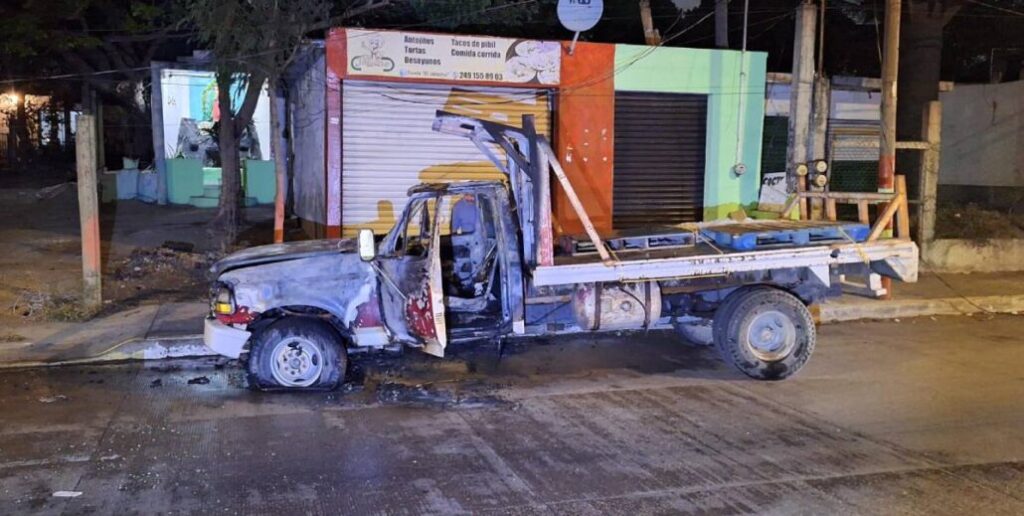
[{"x": 409, "y": 267}]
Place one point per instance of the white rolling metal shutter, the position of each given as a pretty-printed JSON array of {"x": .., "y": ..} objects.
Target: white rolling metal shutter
[{"x": 388, "y": 144}]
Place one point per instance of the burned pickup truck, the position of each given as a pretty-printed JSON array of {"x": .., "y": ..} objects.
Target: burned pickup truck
[{"x": 477, "y": 261}]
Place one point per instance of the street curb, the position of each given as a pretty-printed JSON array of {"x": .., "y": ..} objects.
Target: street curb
[
  {"x": 185, "y": 346},
  {"x": 191, "y": 346},
  {"x": 906, "y": 308}
]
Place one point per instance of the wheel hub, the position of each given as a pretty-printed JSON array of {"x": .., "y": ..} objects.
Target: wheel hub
[
  {"x": 296, "y": 362},
  {"x": 771, "y": 336}
]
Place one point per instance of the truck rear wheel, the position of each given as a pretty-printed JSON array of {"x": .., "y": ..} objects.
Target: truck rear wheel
[
  {"x": 766, "y": 333},
  {"x": 297, "y": 353}
]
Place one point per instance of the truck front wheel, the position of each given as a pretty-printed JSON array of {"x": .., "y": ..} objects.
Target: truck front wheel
[
  {"x": 297, "y": 353},
  {"x": 766, "y": 333}
]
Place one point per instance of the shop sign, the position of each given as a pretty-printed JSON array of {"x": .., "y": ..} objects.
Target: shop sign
[{"x": 447, "y": 57}]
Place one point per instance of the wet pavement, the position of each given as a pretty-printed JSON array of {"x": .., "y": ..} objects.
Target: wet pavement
[{"x": 918, "y": 416}]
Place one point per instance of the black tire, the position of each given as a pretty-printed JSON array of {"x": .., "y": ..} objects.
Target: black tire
[
  {"x": 781, "y": 347},
  {"x": 312, "y": 349},
  {"x": 695, "y": 333}
]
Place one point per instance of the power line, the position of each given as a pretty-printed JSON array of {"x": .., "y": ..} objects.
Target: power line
[{"x": 996, "y": 7}]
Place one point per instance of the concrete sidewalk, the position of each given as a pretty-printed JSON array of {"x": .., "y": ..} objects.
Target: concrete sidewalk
[
  {"x": 175, "y": 329},
  {"x": 144, "y": 333},
  {"x": 935, "y": 294}
]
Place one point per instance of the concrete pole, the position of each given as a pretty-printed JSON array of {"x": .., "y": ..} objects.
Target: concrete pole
[
  {"x": 801, "y": 93},
  {"x": 156, "y": 101},
  {"x": 722, "y": 23},
  {"x": 88, "y": 206},
  {"x": 932, "y": 124},
  {"x": 890, "y": 69}
]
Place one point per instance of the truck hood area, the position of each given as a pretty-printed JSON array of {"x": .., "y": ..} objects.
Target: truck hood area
[{"x": 282, "y": 252}]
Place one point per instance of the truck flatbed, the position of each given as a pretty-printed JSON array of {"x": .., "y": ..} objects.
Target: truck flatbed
[{"x": 898, "y": 257}]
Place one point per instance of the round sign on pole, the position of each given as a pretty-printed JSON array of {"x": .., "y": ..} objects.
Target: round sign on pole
[{"x": 580, "y": 15}]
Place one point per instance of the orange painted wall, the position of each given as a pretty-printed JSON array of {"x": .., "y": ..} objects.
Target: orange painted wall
[{"x": 585, "y": 114}]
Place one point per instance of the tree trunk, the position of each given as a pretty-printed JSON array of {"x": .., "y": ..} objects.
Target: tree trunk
[
  {"x": 919, "y": 75},
  {"x": 21, "y": 130},
  {"x": 280, "y": 162},
  {"x": 227, "y": 219}
]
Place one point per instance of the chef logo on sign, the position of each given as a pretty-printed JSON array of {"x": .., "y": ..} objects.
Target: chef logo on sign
[{"x": 374, "y": 60}]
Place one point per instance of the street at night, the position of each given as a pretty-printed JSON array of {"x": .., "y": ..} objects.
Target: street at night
[{"x": 919, "y": 416}]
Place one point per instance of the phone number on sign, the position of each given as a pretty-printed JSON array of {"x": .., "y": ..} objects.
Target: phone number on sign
[{"x": 481, "y": 76}]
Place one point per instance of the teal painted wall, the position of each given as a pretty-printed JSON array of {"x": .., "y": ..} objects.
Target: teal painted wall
[{"x": 735, "y": 84}]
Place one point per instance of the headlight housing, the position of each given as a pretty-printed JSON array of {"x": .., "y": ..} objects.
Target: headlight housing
[{"x": 222, "y": 300}]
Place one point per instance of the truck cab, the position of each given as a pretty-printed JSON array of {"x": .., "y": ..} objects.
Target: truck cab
[{"x": 450, "y": 269}]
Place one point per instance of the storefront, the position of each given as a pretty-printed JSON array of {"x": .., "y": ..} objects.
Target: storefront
[
  {"x": 648, "y": 135},
  {"x": 391, "y": 86}
]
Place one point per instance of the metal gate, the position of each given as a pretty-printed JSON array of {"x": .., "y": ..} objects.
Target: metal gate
[
  {"x": 853, "y": 157},
  {"x": 388, "y": 144},
  {"x": 659, "y": 158}
]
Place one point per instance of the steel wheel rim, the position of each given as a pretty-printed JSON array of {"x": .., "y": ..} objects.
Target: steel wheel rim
[
  {"x": 296, "y": 362},
  {"x": 771, "y": 336}
]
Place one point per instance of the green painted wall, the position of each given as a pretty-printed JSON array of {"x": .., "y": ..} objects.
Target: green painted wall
[{"x": 735, "y": 84}]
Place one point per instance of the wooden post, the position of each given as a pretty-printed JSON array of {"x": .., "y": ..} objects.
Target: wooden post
[
  {"x": 830, "y": 209},
  {"x": 862, "y": 212},
  {"x": 801, "y": 186},
  {"x": 280, "y": 160},
  {"x": 887, "y": 146},
  {"x": 929, "y": 174},
  {"x": 651, "y": 36},
  {"x": 890, "y": 69},
  {"x": 903, "y": 212},
  {"x": 88, "y": 209}
]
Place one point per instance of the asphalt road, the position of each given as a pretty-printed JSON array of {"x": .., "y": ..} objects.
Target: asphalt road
[{"x": 922, "y": 416}]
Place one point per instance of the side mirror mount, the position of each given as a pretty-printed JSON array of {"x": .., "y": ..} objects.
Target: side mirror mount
[{"x": 367, "y": 245}]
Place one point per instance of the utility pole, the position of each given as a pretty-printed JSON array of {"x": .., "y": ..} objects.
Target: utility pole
[
  {"x": 722, "y": 23},
  {"x": 890, "y": 68},
  {"x": 86, "y": 158},
  {"x": 887, "y": 145},
  {"x": 651, "y": 36},
  {"x": 801, "y": 92}
]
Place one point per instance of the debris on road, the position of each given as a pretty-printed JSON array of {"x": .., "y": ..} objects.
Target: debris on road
[
  {"x": 199, "y": 380},
  {"x": 52, "y": 399},
  {"x": 67, "y": 494},
  {"x": 156, "y": 383}
]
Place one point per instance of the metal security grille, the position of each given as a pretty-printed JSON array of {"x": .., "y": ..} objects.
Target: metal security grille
[
  {"x": 388, "y": 144},
  {"x": 853, "y": 152},
  {"x": 659, "y": 158}
]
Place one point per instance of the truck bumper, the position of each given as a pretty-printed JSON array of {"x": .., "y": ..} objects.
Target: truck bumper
[{"x": 223, "y": 339}]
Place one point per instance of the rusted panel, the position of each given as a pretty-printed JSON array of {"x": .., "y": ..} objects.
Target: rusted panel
[
  {"x": 586, "y": 126},
  {"x": 419, "y": 313}
]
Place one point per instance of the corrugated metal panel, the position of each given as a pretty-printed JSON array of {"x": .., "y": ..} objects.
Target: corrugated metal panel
[
  {"x": 659, "y": 158},
  {"x": 388, "y": 144}
]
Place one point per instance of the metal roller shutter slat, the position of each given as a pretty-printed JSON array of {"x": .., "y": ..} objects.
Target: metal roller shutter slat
[{"x": 660, "y": 142}]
